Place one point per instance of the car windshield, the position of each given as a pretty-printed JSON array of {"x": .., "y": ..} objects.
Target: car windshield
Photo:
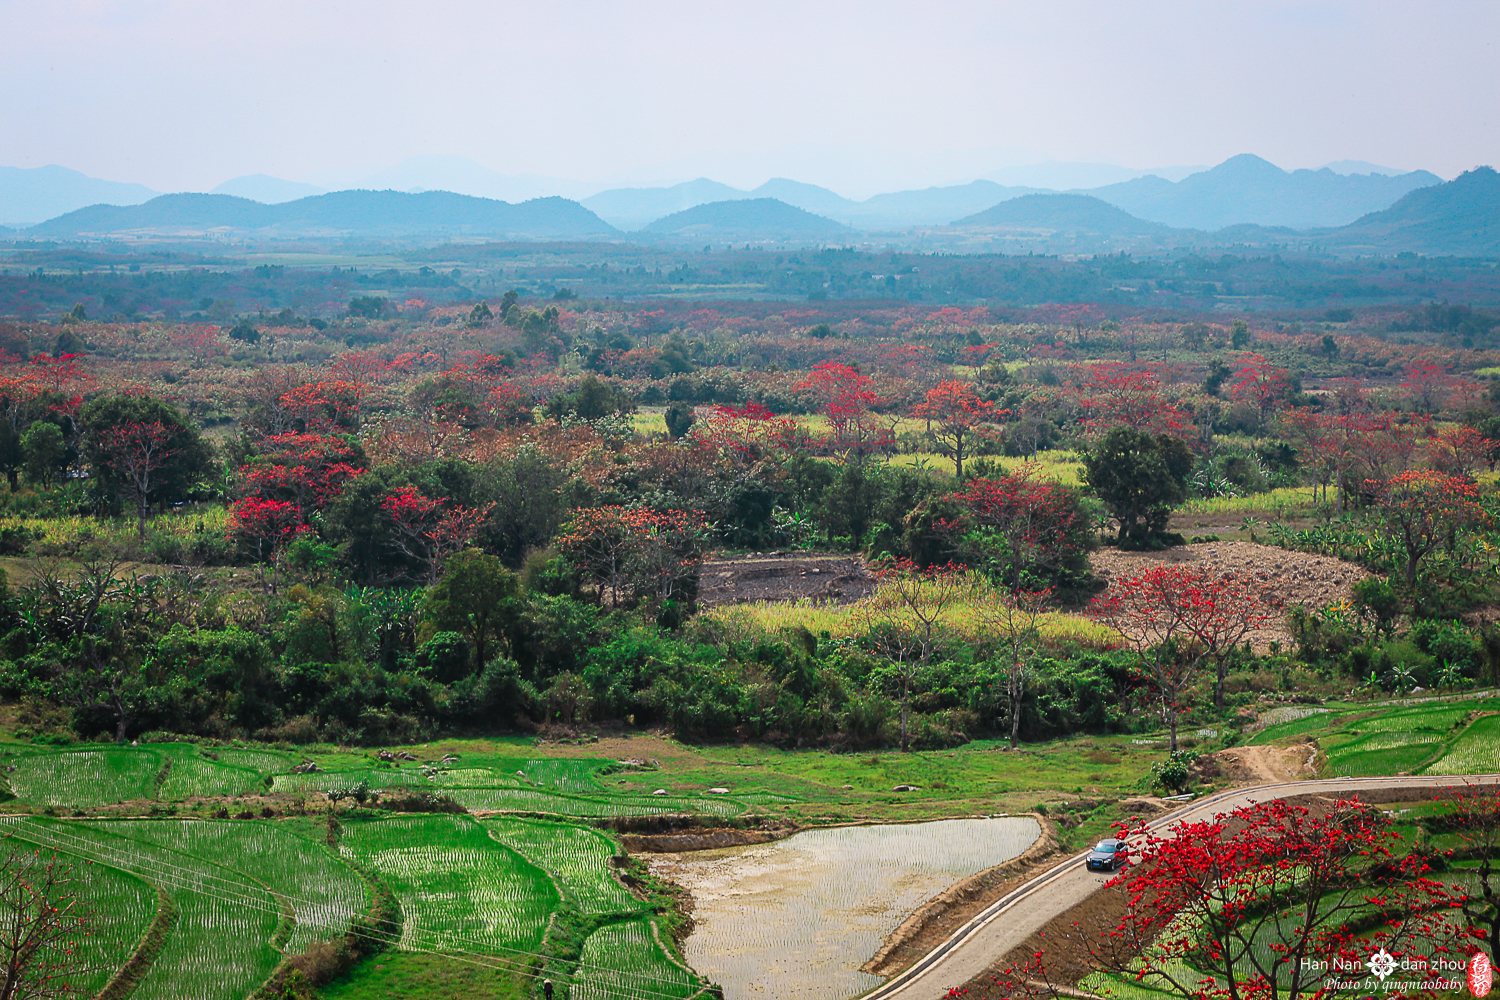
[{"x": 1106, "y": 847}]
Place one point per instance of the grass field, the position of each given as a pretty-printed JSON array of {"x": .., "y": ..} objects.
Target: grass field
[
  {"x": 68, "y": 530},
  {"x": 842, "y": 621},
  {"x": 1476, "y": 751},
  {"x": 322, "y": 894},
  {"x": 119, "y": 908}
]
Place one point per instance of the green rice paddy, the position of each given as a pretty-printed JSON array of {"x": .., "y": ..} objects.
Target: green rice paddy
[
  {"x": 577, "y": 858},
  {"x": 625, "y": 961},
  {"x": 458, "y": 888}
]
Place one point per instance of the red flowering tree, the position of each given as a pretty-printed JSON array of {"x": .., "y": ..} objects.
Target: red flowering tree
[
  {"x": 849, "y": 404},
  {"x": 906, "y": 616},
  {"x": 1174, "y": 617},
  {"x": 137, "y": 452},
  {"x": 1024, "y": 530},
  {"x": 1270, "y": 901},
  {"x": 958, "y": 418},
  {"x": 1423, "y": 509},
  {"x": 1460, "y": 450},
  {"x": 56, "y": 374},
  {"x": 43, "y": 950},
  {"x": 1262, "y": 385},
  {"x": 267, "y": 526},
  {"x": 1475, "y": 816},
  {"x": 426, "y": 531},
  {"x": 1112, "y": 394},
  {"x": 310, "y": 470},
  {"x": 198, "y": 342},
  {"x": 357, "y": 372},
  {"x": 1428, "y": 385},
  {"x": 743, "y": 435}
]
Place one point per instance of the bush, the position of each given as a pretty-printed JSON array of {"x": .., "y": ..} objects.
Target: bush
[{"x": 1175, "y": 773}]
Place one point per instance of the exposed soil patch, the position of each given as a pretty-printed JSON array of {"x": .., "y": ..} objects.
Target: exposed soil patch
[
  {"x": 1290, "y": 578},
  {"x": 1260, "y": 765},
  {"x": 836, "y": 579},
  {"x": 701, "y": 840}
]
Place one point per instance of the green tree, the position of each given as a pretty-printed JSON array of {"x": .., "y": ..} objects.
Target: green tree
[
  {"x": 479, "y": 314},
  {"x": 1239, "y": 335},
  {"x": 245, "y": 332},
  {"x": 594, "y": 399},
  {"x": 679, "y": 417},
  {"x": 1140, "y": 478},
  {"x": 477, "y": 598},
  {"x": 144, "y": 450},
  {"x": 368, "y": 306},
  {"x": 508, "y": 302},
  {"x": 45, "y": 451}
]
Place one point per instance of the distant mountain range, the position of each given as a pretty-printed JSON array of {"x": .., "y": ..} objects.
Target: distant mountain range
[
  {"x": 1414, "y": 211},
  {"x": 342, "y": 213},
  {"x": 1069, "y": 214},
  {"x": 1246, "y": 189},
  {"x": 1459, "y": 217}
]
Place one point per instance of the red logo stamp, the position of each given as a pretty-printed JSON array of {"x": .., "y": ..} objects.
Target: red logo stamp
[{"x": 1481, "y": 974}]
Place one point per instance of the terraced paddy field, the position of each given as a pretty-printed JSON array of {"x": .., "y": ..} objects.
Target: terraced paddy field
[
  {"x": 211, "y": 866},
  {"x": 1438, "y": 737}
]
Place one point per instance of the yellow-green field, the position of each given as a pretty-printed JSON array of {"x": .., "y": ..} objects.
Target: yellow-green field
[
  {"x": 845, "y": 621},
  {"x": 67, "y": 530}
]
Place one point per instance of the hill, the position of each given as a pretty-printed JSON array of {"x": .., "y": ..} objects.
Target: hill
[
  {"x": 267, "y": 189},
  {"x": 1071, "y": 214},
  {"x": 353, "y": 213},
  {"x": 747, "y": 219},
  {"x": 635, "y": 208},
  {"x": 29, "y": 196},
  {"x": 1460, "y": 217},
  {"x": 1248, "y": 189},
  {"x": 932, "y": 206}
]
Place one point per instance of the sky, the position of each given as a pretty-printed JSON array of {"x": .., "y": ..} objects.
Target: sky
[{"x": 860, "y": 97}]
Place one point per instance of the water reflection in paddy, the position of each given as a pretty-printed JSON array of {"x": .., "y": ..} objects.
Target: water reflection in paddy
[{"x": 795, "y": 920}]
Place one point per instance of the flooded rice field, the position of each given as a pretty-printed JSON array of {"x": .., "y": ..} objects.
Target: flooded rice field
[{"x": 796, "y": 919}]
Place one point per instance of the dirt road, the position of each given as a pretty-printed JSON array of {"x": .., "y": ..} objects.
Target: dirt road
[{"x": 1014, "y": 918}]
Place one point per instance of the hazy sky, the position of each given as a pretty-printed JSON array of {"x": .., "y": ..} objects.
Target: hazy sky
[{"x": 184, "y": 94}]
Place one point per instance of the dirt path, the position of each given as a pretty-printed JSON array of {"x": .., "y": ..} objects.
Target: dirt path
[{"x": 1264, "y": 765}]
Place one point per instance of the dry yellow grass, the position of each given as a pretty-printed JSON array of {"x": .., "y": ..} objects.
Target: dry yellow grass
[{"x": 844, "y": 621}]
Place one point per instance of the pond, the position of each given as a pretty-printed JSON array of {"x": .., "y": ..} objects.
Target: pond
[{"x": 795, "y": 920}]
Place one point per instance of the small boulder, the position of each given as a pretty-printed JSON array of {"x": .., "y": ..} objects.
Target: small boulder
[
  {"x": 660, "y": 791},
  {"x": 718, "y": 791}
]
